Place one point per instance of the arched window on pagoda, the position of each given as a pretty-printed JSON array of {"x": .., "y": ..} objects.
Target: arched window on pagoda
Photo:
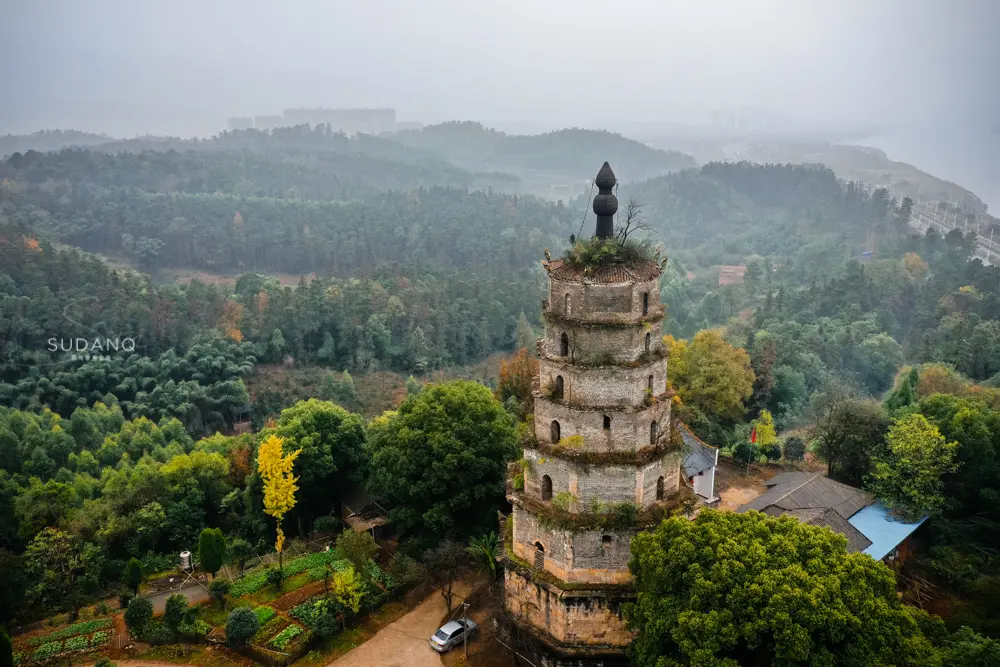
[
  {"x": 554, "y": 432},
  {"x": 652, "y": 432},
  {"x": 546, "y": 487},
  {"x": 558, "y": 393},
  {"x": 659, "y": 488},
  {"x": 564, "y": 344}
]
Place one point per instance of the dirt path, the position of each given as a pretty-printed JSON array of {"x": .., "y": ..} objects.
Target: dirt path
[{"x": 404, "y": 643}]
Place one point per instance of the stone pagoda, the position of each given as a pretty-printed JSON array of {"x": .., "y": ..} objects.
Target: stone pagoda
[{"x": 604, "y": 462}]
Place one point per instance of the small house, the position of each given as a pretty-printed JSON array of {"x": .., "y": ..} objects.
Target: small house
[
  {"x": 700, "y": 460},
  {"x": 869, "y": 526}
]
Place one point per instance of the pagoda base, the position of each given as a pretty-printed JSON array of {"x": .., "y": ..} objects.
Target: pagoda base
[{"x": 565, "y": 627}]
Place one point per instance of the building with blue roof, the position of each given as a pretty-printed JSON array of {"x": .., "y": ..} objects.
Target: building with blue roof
[{"x": 869, "y": 526}]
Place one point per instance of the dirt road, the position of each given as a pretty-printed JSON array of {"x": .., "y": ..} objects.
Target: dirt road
[{"x": 404, "y": 643}]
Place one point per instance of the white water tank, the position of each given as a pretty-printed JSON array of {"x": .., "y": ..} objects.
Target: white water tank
[{"x": 185, "y": 560}]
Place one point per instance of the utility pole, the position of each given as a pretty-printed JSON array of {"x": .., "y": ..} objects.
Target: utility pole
[{"x": 465, "y": 624}]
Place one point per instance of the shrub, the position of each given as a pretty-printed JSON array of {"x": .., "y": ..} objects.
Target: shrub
[
  {"x": 138, "y": 615},
  {"x": 771, "y": 451},
  {"x": 358, "y": 547},
  {"x": 795, "y": 448},
  {"x": 218, "y": 589},
  {"x": 125, "y": 597},
  {"x": 102, "y": 609},
  {"x": 274, "y": 577},
  {"x": 744, "y": 453},
  {"x": 157, "y": 632},
  {"x": 326, "y": 524},
  {"x": 100, "y": 639},
  {"x": 405, "y": 571},
  {"x": 241, "y": 626},
  {"x": 175, "y": 611},
  {"x": 285, "y": 637}
]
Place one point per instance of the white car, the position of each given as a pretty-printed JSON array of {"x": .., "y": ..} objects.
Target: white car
[{"x": 452, "y": 634}]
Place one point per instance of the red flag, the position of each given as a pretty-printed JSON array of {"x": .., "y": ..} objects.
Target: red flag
[{"x": 753, "y": 435}]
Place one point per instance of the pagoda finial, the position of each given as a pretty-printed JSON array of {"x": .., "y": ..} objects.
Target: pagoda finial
[{"x": 605, "y": 203}]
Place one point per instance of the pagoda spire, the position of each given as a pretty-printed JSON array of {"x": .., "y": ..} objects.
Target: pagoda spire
[{"x": 605, "y": 203}]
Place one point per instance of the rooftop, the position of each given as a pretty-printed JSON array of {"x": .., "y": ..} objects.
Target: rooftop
[
  {"x": 731, "y": 275},
  {"x": 819, "y": 501},
  {"x": 699, "y": 455},
  {"x": 559, "y": 269}
]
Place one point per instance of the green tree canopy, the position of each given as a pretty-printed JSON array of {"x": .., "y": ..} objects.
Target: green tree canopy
[
  {"x": 133, "y": 575},
  {"x": 907, "y": 477},
  {"x": 441, "y": 459},
  {"x": 711, "y": 375},
  {"x": 211, "y": 549},
  {"x": 332, "y": 443},
  {"x": 727, "y": 590}
]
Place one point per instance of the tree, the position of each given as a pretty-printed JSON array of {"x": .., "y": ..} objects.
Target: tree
[
  {"x": 731, "y": 589},
  {"x": 711, "y": 375},
  {"x": 908, "y": 476},
  {"x": 524, "y": 337},
  {"x": 904, "y": 394},
  {"x": 764, "y": 425},
  {"x": 240, "y": 550},
  {"x": 441, "y": 460},
  {"x": 138, "y": 615},
  {"x": 133, "y": 575},
  {"x": 63, "y": 570},
  {"x": 850, "y": 432},
  {"x": 331, "y": 444},
  {"x": 275, "y": 470},
  {"x": 358, "y": 547},
  {"x": 241, "y": 626},
  {"x": 485, "y": 549},
  {"x": 348, "y": 589},
  {"x": 212, "y": 549},
  {"x": 443, "y": 564},
  {"x": 516, "y": 377},
  {"x": 219, "y": 589}
]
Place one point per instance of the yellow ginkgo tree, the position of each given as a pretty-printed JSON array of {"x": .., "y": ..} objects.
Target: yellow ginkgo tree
[{"x": 275, "y": 468}]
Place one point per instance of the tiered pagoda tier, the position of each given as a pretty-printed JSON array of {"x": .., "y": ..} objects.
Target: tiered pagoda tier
[{"x": 604, "y": 463}]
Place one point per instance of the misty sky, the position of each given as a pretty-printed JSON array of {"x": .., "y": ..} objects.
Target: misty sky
[{"x": 182, "y": 66}]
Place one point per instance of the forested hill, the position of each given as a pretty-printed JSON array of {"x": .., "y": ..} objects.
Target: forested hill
[
  {"x": 49, "y": 140},
  {"x": 571, "y": 152},
  {"x": 296, "y": 162},
  {"x": 800, "y": 216}
]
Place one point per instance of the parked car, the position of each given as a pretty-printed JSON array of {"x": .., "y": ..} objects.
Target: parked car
[{"x": 452, "y": 634}]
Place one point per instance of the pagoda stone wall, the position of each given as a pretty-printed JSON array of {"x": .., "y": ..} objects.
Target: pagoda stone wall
[
  {"x": 605, "y": 483},
  {"x": 593, "y": 346},
  {"x": 569, "y": 619},
  {"x": 621, "y": 386}
]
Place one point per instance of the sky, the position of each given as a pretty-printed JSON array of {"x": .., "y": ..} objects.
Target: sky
[{"x": 181, "y": 67}]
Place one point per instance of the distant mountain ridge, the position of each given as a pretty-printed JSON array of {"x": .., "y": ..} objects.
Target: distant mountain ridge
[{"x": 572, "y": 152}]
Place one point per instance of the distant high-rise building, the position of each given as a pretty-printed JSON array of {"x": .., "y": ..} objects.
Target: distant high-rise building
[
  {"x": 239, "y": 123},
  {"x": 268, "y": 122},
  {"x": 367, "y": 121}
]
